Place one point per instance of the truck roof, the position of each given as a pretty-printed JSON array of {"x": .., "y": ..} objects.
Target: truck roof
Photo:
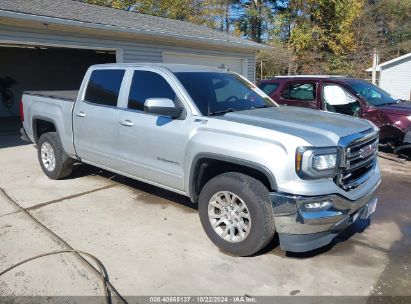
[
  {"x": 337, "y": 78},
  {"x": 174, "y": 67},
  {"x": 311, "y": 76}
]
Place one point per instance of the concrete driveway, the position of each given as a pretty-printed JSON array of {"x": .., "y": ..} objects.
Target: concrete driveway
[{"x": 151, "y": 241}]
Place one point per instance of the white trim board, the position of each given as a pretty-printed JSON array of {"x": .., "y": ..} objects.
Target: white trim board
[
  {"x": 236, "y": 64},
  {"x": 119, "y": 51}
]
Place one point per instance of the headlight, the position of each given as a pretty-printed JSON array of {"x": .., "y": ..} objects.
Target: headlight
[
  {"x": 311, "y": 163},
  {"x": 324, "y": 162},
  {"x": 409, "y": 118}
]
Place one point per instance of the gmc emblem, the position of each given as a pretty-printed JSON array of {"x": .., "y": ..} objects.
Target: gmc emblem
[{"x": 367, "y": 150}]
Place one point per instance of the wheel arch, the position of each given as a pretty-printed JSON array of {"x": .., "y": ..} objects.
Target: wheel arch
[
  {"x": 388, "y": 132},
  {"x": 42, "y": 125},
  {"x": 208, "y": 165}
]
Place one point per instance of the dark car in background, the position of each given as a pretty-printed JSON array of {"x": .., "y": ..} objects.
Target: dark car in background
[{"x": 349, "y": 96}]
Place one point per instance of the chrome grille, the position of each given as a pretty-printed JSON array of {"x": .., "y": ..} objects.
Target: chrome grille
[{"x": 358, "y": 158}]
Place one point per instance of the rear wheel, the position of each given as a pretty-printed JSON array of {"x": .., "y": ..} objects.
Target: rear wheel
[
  {"x": 236, "y": 213},
  {"x": 54, "y": 161}
]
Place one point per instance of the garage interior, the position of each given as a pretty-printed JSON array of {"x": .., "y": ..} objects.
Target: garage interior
[{"x": 43, "y": 68}]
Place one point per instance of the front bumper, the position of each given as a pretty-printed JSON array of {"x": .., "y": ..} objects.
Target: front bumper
[{"x": 303, "y": 230}]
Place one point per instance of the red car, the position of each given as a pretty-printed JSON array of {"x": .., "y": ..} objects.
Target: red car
[{"x": 347, "y": 96}]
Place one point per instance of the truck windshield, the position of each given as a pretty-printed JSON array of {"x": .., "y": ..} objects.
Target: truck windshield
[
  {"x": 218, "y": 93},
  {"x": 373, "y": 94}
]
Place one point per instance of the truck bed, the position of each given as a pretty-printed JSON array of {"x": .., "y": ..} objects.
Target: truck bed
[{"x": 63, "y": 95}]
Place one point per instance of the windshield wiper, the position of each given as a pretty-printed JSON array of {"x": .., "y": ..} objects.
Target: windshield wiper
[
  {"x": 222, "y": 111},
  {"x": 261, "y": 107},
  {"x": 386, "y": 103}
]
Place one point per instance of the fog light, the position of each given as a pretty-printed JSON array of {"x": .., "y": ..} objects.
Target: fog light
[{"x": 318, "y": 205}]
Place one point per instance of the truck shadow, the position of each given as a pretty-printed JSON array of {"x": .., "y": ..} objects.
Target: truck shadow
[
  {"x": 156, "y": 195},
  {"x": 10, "y": 132},
  {"x": 151, "y": 194},
  {"x": 10, "y": 139}
]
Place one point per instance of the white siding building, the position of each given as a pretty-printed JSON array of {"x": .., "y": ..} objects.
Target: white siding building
[
  {"x": 395, "y": 76},
  {"x": 49, "y": 44}
]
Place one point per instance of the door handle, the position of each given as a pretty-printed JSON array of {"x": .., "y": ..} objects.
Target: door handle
[
  {"x": 80, "y": 114},
  {"x": 127, "y": 123}
]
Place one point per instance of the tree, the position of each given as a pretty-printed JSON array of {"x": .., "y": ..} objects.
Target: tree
[
  {"x": 226, "y": 19},
  {"x": 394, "y": 19},
  {"x": 202, "y": 12},
  {"x": 255, "y": 18},
  {"x": 319, "y": 32},
  {"x": 307, "y": 36},
  {"x": 274, "y": 61},
  {"x": 119, "y": 4}
]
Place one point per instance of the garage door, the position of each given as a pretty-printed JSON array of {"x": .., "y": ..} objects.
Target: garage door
[
  {"x": 41, "y": 68},
  {"x": 233, "y": 64}
]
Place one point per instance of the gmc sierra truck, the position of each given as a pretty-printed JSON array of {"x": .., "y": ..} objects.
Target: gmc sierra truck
[{"x": 253, "y": 167}]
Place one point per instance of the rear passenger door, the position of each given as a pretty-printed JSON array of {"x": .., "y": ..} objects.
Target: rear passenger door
[
  {"x": 95, "y": 118},
  {"x": 269, "y": 88},
  {"x": 299, "y": 94},
  {"x": 152, "y": 147}
]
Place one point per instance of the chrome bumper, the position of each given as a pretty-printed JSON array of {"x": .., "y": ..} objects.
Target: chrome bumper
[{"x": 313, "y": 229}]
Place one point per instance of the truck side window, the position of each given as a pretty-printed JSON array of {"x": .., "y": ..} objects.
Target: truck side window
[
  {"x": 104, "y": 86},
  {"x": 146, "y": 84},
  {"x": 299, "y": 91}
]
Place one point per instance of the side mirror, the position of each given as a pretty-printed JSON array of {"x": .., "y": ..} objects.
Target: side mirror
[{"x": 162, "y": 107}]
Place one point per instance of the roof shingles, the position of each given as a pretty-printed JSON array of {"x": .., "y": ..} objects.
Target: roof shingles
[{"x": 88, "y": 13}]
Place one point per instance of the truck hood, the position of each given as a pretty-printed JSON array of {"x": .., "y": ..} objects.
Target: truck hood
[
  {"x": 316, "y": 127},
  {"x": 400, "y": 108}
]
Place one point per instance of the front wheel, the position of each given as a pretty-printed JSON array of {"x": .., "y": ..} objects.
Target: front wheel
[
  {"x": 236, "y": 213},
  {"x": 54, "y": 161}
]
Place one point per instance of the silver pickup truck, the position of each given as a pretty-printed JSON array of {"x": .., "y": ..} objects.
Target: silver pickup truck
[{"x": 253, "y": 167}]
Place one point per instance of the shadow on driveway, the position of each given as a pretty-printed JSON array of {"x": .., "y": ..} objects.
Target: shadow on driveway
[
  {"x": 394, "y": 207},
  {"x": 10, "y": 133},
  {"x": 155, "y": 194}
]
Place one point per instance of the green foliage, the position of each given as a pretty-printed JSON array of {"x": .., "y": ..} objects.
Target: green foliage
[
  {"x": 255, "y": 18},
  {"x": 395, "y": 20},
  {"x": 120, "y": 4},
  {"x": 320, "y": 30},
  {"x": 195, "y": 11},
  {"x": 307, "y": 36}
]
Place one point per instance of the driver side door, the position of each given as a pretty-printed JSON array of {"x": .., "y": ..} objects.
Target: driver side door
[
  {"x": 336, "y": 98},
  {"x": 152, "y": 147}
]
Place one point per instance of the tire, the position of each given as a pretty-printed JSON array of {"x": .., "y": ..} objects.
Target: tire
[
  {"x": 63, "y": 165},
  {"x": 255, "y": 196}
]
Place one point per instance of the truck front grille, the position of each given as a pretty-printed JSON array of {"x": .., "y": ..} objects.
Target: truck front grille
[{"x": 358, "y": 159}]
